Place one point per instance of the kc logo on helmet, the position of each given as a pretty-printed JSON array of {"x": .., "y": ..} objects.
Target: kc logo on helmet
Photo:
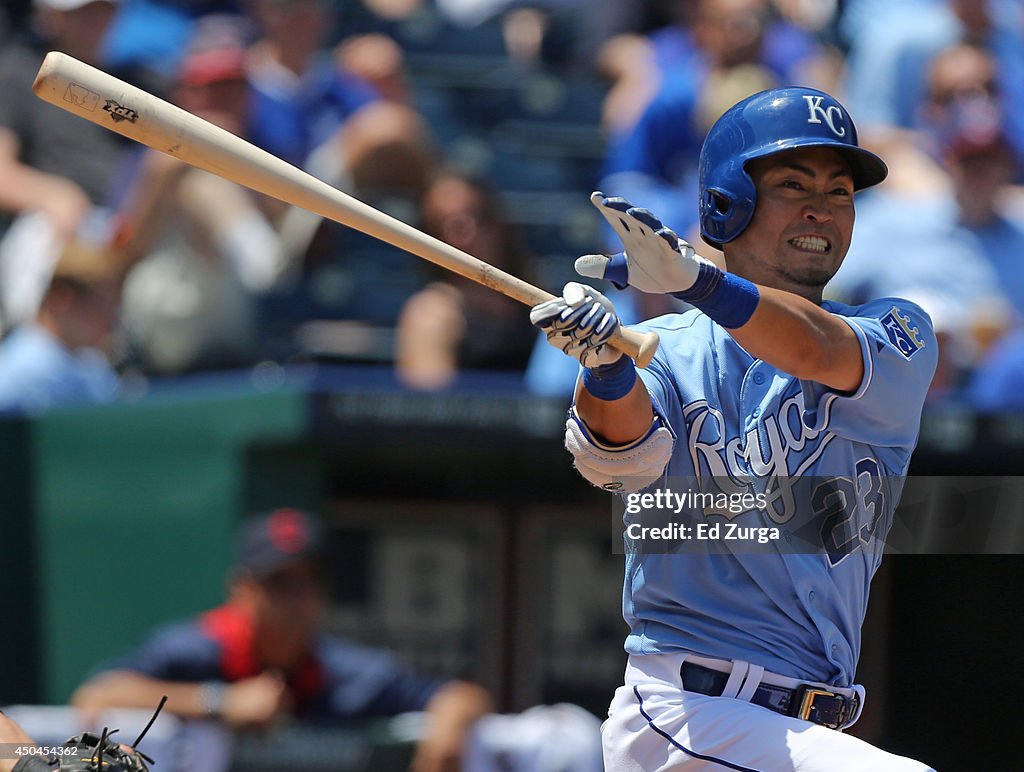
[{"x": 829, "y": 114}]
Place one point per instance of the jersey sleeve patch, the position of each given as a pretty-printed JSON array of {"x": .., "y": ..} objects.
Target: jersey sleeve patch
[{"x": 904, "y": 336}]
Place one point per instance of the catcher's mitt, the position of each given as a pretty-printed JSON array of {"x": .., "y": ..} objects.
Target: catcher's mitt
[
  {"x": 86, "y": 753},
  {"x": 89, "y": 753}
]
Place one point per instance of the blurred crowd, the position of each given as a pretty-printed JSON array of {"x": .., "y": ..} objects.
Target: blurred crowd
[{"x": 485, "y": 123}]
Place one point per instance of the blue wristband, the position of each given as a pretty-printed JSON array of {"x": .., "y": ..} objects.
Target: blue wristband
[
  {"x": 610, "y": 382},
  {"x": 727, "y": 298}
]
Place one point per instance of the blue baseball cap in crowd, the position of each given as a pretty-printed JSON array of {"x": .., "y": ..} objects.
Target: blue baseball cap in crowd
[{"x": 269, "y": 542}]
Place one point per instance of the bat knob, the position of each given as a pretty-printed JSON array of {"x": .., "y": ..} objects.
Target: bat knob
[{"x": 574, "y": 293}]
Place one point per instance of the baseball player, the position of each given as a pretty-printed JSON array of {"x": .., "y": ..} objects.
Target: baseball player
[{"x": 745, "y": 659}]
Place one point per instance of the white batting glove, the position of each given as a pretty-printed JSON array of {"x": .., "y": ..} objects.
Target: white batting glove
[
  {"x": 579, "y": 324},
  {"x": 655, "y": 260}
]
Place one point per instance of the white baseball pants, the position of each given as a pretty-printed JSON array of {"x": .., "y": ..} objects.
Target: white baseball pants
[{"x": 654, "y": 725}]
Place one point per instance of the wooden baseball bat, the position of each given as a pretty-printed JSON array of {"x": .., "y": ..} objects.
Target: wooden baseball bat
[{"x": 103, "y": 99}]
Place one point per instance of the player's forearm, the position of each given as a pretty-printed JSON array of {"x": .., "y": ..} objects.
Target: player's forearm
[
  {"x": 802, "y": 339},
  {"x": 619, "y": 421},
  {"x": 127, "y": 689},
  {"x": 458, "y": 704},
  {"x": 453, "y": 711}
]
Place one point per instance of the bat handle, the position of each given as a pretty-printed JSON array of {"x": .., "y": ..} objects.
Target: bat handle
[{"x": 638, "y": 346}]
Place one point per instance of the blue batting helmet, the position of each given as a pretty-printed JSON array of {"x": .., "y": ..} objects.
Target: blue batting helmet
[{"x": 766, "y": 123}]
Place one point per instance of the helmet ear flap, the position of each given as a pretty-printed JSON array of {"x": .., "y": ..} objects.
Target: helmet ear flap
[{"x": 725, "y": 213}]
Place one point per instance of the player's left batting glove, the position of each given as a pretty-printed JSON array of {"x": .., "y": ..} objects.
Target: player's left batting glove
[
  {"x": 579, "y": 324},
  {"x": 655, "y": 260}
]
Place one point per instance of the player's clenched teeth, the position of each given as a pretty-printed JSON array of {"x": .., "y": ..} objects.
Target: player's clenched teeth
[{"x": 811, "y": 243}]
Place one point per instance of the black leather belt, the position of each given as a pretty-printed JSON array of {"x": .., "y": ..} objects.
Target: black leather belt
[{"x": 808, "y": 702}]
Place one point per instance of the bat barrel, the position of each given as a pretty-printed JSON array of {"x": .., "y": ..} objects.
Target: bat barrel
[
  {"x": 99, "y": 97},
  {"x": 107, "y": 101}
]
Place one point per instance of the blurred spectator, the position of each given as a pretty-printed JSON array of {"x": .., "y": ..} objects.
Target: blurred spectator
[
  {"x": 959, "y": 165},
  {"x": 263, "y": 655},
  {"x": 385, "y": 156},
  {"x": 957, "y": 75},
  {"x": 893, "y": 44},
  {"x": 959, "y": 80},
  {"x": 217, "y": 252},
  {"x": 455, "y": 323},
  {"x": 982, "y": 166},
  {"x": 997, "y": 384},
  {"x": 148, "y": 38},
  {"x": 50, "y": 160},
  {"x": 382, "y": 149},
  {"x": 707, "y": 35},
  {"x": 387, "y": 149},
  {"x": 378, "y": 60},
  {"x": 889, "y": 48},
  {"x": 301, "y": 97},
  {"x": 62, "y": 356},
  {"x": 959, "y": 254},
  {"x": 207, "y": 246}
]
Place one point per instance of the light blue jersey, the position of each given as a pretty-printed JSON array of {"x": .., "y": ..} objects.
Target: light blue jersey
[{"x": 736, "y": 418}]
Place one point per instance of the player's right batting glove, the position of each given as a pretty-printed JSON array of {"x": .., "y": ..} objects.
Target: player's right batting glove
[
  {"x": 579, "y": 324},
  {"x": 655, "y": 260}
]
